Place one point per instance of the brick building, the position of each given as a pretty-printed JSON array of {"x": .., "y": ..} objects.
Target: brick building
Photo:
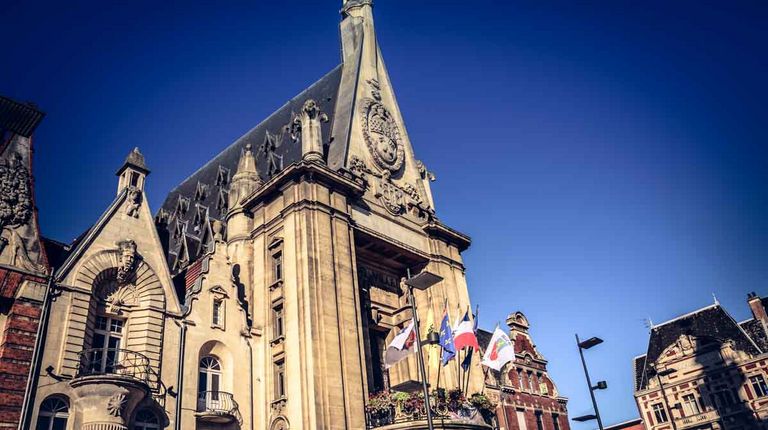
[
  {"x": 526, "y": 395},
  {"x": 704, "y": 370},
  {"x": 23, "y": 261}
]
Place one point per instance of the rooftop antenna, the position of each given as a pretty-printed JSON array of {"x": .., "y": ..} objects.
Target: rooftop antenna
[
  {"x": 717, "y": 302},
  {"x": 648, "y": 322}
]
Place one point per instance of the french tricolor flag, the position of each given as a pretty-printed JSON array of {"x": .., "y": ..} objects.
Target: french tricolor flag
[{"x": 464, "y": 334}]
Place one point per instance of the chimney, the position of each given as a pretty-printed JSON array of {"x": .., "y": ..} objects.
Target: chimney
[{"x": 758, "y": 310}]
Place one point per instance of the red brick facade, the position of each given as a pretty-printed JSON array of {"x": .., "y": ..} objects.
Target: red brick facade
[
  {"x": 17, "y": 341},
  {"x": 527, "y": 397}
]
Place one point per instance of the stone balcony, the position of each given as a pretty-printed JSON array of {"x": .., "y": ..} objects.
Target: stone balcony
[
  {"x": 399, "y": 418},
  {"x": 697, "y": 420},
  {"x": 217, "y": 407},
  {"x": 108, "y": 385}
]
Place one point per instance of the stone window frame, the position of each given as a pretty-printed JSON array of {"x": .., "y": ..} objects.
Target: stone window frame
[
  {"x": 52, "y": 411},
  {"x": 686, "y": 400},
  {"x": 276, "y": 263},
  {"x": 279, "y": 385},
  {"x": 758, "y": 385},
  {"x": 218, "y": 297},
  {"x": 278, "y": 320},
  {"x": 660, "y": 414}
]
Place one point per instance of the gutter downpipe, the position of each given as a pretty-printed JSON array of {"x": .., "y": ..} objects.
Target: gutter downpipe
[
  {"x": 250, "y": 368},
  {"x": 37, "y": 355},
  {"x": 180, "y": 375}
]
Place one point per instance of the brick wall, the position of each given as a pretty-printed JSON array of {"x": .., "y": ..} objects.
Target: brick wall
[{"x": 17, "y": 341}]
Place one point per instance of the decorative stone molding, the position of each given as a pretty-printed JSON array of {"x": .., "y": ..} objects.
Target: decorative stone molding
[
  {"x": 116, "y": 404},
  {"x": 280, "y": 423},
  {"x": 103, "y": 426},
  {"x": 16, "y": 209},
  {"x": 397, "y": 200}
]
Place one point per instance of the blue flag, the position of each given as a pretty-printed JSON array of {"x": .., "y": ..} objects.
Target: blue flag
[{"x": 446, "y": 339}]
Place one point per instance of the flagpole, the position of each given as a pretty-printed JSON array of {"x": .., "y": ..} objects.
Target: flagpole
[
  {"x": 474, "y": 329},
  {"x": 420, "y": 356}
]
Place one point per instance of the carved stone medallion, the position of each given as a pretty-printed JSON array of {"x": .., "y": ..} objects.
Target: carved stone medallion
[
  {"x": 382, "y": 136},
  {"x": 115, "y": 404}
]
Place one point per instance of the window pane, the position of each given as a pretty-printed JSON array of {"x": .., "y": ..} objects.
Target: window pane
[
  {"x": 59, "y": 423},
  {"x": 43, "y": 423}
]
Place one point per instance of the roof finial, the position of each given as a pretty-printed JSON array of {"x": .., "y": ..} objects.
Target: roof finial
[{"x": 717, "y": 302}]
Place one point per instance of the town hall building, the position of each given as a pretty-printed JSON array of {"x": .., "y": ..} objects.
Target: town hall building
[{"x": 264, "y": 291}]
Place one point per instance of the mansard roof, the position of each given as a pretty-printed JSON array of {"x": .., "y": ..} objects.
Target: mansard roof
[
  {"x": 274, "y": 150},
  {"x": 711, "y": 322}
]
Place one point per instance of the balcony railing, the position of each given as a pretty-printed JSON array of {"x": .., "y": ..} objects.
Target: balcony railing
[
  {"x": 696, "y": 420},
  {"x": 414, "y": 413},
  {"x": 218, "y": 404},
  {"x": 113, "y": 361}
]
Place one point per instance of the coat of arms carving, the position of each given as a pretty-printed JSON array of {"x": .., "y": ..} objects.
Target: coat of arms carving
[{"x": 382, "y": 136}]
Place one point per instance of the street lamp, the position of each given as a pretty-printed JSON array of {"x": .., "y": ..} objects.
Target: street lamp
[
  {"x": 666, "y": 372},
  {"x": 602, "y": 385},
  {"x": 422, "y": 281}
]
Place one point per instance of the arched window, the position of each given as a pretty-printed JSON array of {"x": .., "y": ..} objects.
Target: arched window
[
  {"x": 53, "y": 414},
  {"x": 208, "y": 382},
  {"x": 146, "y": 420}
]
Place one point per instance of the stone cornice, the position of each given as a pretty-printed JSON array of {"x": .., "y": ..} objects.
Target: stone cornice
[
  {"x": 437, "y": 229},
  {"x": 310, "y": 170}
]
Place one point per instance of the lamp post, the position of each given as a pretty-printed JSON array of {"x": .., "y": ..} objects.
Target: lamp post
[
  {"x": 666, "y": 372},
  {"x": 601, "y": 385},
  {"x": 422, "y": 281}
]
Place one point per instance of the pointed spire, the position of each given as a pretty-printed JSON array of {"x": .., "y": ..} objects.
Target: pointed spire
[
  {"x": 135, "y": 159},
  {"x": 133, "y": 172},
  {"x": 246, "y": 180}
]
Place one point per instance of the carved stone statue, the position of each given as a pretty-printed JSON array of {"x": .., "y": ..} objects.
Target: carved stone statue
[
  {"x": 15, "y": 210},
  {"x": 306, "y": 127},
  {"x": 127, "y": 261},
  {"x": 133, "y": 202}
]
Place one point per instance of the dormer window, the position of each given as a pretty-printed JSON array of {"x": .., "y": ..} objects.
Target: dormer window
[
  {"x": 201, "y": 192},
  {"x": 178, "y": 231},
  {"x": 182, "y": 206},
  {"x": 221, "y": 204},
  {"x": 222, "y": 178},
  {"x": 200, "y": 216}
]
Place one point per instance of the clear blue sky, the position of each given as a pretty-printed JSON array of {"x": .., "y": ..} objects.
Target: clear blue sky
[{"x": 608, "y": 158}]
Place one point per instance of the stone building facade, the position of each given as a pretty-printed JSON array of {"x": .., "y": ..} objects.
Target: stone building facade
[
  {"x": 261, "y": 295},
  {"x": 526, "y": 396},
  {"x": 704, "y": 370}
]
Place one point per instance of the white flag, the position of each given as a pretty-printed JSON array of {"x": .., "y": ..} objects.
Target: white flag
[
  {"x": 499, "y": 352},
  {"x": 401, "y": 346}
]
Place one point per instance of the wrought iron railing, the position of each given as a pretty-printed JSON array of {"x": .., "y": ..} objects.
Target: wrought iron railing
[
  {"x": 219, "y": 403},
  {"x": 113, "y": 361},
  {"x": 403, "y": 413}
]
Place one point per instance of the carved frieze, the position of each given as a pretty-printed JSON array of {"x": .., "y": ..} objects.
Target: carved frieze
[{"x": 396, "y": 199}]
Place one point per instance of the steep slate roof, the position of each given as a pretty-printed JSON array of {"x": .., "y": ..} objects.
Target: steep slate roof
[
  {"x": 755, "y": 330},
  {"x": 224, "y": 166},
  {"x": 710, "y": 322}
]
